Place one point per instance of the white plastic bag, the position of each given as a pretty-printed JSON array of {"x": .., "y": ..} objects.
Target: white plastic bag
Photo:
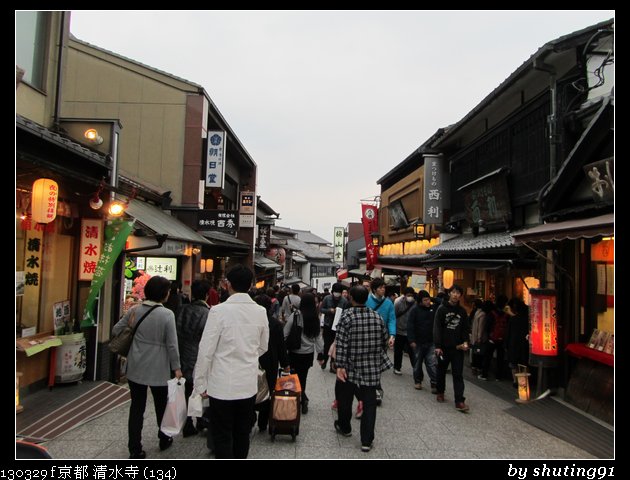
[
  {"x": 176, "y": 411},
  {"x": 195, "y": 405}
]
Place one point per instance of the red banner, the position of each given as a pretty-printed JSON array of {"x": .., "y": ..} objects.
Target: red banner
[{"x": 369, "y": 218}]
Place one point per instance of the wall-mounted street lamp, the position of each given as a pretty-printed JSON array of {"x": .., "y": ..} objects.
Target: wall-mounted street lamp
[
  {"x": 418, "y": 230},
  {"x": 376, "y": 239}
]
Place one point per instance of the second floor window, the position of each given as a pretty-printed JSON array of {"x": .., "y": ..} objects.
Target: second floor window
[{"x": 30, "y": 46}]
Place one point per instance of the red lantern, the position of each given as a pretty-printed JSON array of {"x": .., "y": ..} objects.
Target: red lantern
[
  {"x": 543, "y": 337},
  {"x": 278, "y": 255}
]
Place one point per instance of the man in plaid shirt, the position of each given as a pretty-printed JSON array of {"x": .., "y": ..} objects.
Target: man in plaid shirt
[{"x": 362, "y": 339}]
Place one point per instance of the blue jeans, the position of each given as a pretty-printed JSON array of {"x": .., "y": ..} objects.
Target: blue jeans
[{"x": 425, "y": 352}]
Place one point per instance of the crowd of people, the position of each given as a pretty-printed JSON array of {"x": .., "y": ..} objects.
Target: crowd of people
[{"x": 218, "y": 339}]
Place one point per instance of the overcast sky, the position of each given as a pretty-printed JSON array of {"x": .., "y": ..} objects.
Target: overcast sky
[{"x": 326, "y": 102}]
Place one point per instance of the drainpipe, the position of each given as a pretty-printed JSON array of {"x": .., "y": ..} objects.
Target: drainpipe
[
  {"x": 56, "y": 113},
  {"x": 552, "y": 119}
]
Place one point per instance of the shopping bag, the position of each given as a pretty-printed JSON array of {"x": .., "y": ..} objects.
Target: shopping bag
[
  {"x": 289, "y": 382},
  {"x": 195, "y": 405},
  {"x": 176, "y": 411},
  {"x": 263, "y": 387}
]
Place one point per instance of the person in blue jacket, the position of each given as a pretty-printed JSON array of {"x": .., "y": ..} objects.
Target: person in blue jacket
[{"x": 382, "y": 305}]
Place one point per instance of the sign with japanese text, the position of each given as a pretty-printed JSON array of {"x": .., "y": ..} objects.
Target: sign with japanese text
[
  {"x": 543, "y": 336},
  {"x": 32, "y": 274},
  {"x": 90, "y": 249},
  {"x": 248, "y": 203},
  {"x": 369, "y": 219},
  {"x": 116, "y": 234},
  {"x": 338, "y": 245},
  {"x": 217, "y": 220},
  {"x": 215, "y": 159},
  {"x": 487, "y": 200},
  {"x": 264, "y": 237},
  {"x": 434, "y": 195},
  {"x": 161, "y": 266},
  {"x": 246, "y": 221}
]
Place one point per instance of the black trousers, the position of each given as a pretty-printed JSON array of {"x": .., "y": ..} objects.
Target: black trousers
[
  {"x": 400, "y": 346},
  {"x": 136, "y": 412},
  {"x": 231, "y": 422},
  {"x": 455, "y": 358},
  {"x": 344, "y": 391}
]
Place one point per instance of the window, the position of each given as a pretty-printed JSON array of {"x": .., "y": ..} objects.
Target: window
[{"x": 30, "y": 46}]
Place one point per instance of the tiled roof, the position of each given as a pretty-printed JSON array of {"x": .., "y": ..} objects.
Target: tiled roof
[
  {"x": 469, "y": 243},
  {"x": 61, "y": 141}
]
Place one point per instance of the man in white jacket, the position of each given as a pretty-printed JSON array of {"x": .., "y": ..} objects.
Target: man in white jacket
[{"x": 235, "y": 335}]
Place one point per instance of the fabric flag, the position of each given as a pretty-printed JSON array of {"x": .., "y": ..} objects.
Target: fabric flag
[
  {"x": 369, "y": 218},
  {"x": 116, "y": 234}
]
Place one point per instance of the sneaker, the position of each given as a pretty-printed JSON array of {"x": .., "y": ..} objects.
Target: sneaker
[
  {"x": 433, "y": 389},
  {"x": 397, "y": 372},
  {"x": 440, "y": 398},
  {"x": 366, "y": 448},
  {"x": 417, "y": 386},
  {"x": 481, "y": 377},
  {"x": 461, "y": 406},
  {"x": 359, "y": 413},
  {"x": 379, "y": 397},
  {"x": 338, "y": 428},
  {"x": 334, "y": 405},
  {"x": 140, "y": 454}
]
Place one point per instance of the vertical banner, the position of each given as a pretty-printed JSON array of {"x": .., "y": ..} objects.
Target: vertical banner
[
  {"x": 369, "y": 218},
  {"x": 215, "y": 159},
  {"x": 434, "y": 194},
  {"x": 115, "y": 237},
  {"x": 91, "y": 241},
  {"x": 338, "y": 245}
]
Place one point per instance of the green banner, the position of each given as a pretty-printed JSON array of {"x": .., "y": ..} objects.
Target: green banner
[{"x": 116, "y": 234}]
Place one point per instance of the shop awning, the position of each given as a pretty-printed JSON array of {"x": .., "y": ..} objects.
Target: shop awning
[
  {"x": 469, "y": 243},
  {"x": 161, "y": 223},
  {"x": 481, "y": 263},
  {"x": 359, "y": 272},
  {"x": 265, "y": 263},
  {"x": 568, "y": 230},
  {"x": 221, "y": 239},
  {"x": 401, "y": 268}
]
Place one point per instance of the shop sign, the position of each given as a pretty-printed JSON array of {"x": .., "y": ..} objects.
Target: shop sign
[
  {"x": 90, "y": 249},
  {"x": 543, "y": 336},
  {"x": 601, "y": 178},
  {"x": 246, "y": 221},
  {"x": 217, "y": 220},
  {"x": 248, "y": 203},
  {"x": 487, "y": 200},
  {"x": 163, "y": 267},
  {"x": 434, "y": 196},
  {"x": 215, "y": 159},
  {"x": 338, "y": 245},
  {"x": 32, "y": 274},
  {"x": 264, "y": 237},
  {"x": 369, "y": 219}
]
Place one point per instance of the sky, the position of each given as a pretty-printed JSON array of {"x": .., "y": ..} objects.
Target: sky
[{"x": 328, "y": 102}]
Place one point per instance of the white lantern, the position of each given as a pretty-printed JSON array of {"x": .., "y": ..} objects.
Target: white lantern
[{"x": 44, "y": 200}]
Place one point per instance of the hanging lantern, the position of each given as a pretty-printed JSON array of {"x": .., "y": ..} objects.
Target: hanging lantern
[
  {"x": 448, "y": 276},
  {"x": 44, "y": 200},
  {"x": 207, "y": 265}
]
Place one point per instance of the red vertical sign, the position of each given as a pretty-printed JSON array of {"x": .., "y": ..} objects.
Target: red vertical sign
[{"x": 369, "y": 218}]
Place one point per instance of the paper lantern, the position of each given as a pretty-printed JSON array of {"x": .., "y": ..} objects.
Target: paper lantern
[
  {"x": 207, "y": 265},
  {"x": 44, "y": 200},
  {"x": 544, "y": 323},
  {"x": 522, "y": 381},
  {"x": 448, "y": 276}
]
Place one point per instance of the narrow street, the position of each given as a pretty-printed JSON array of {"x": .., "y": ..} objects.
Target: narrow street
[{"x": 410, "y": 424}]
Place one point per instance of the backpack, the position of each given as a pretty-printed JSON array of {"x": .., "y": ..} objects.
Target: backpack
[
  {"x": 294, "y": 339},
  {"x": 499, "y": 327}
]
